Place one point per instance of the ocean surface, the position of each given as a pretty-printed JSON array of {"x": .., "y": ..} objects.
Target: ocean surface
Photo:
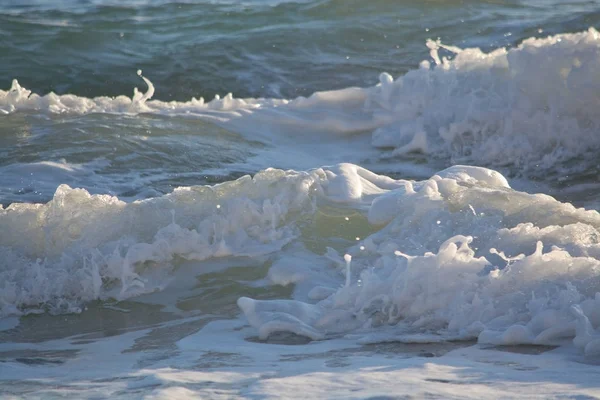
[{"x": 299, "y": 199}]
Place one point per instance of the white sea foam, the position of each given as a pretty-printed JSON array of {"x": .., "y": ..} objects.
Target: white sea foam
[
  {"x": 218, "y": 363},
  {"x": 79, "y": 247},
  {"x": 533, "y": 106},
  {"x": 460, "y": 256}
]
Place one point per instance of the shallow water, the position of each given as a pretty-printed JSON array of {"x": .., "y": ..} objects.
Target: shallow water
[{"x": 329, "y": 230}]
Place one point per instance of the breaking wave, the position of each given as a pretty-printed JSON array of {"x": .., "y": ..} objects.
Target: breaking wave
[
  {"x": 531, "y": 109},
  {"x": 458, "y": 256}
]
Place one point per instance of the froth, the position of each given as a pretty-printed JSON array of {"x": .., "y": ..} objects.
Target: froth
[
  {"x": 80, "y": 247},
  {"x": 532, "y": 107},
  {"x": 460, "y": 256}
]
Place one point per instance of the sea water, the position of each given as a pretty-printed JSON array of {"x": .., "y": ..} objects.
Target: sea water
[{"x": 300, "y": 199}]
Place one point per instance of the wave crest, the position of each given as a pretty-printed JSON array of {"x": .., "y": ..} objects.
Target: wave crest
[{"x": 532, "y": 108}]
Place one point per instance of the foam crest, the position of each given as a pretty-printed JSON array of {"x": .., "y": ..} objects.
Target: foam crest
[
  {"x": 532, "y": 107},
  {"x": 460, "y": 256},
  {"x": 80, "y": 247},
  {"x": 17, "y": 98}
]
